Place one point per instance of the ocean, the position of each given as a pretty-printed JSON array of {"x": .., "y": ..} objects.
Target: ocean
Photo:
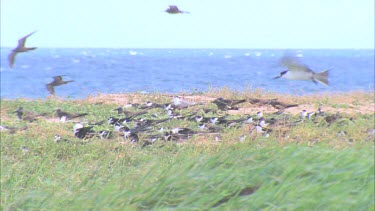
[{"x": 178, "y": 70}]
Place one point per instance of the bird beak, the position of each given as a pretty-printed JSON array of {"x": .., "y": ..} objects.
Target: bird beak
[{"x": 277, "y": 77}]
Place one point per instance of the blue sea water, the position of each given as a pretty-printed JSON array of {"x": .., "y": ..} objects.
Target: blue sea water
[{"x": 177, "y": 70}]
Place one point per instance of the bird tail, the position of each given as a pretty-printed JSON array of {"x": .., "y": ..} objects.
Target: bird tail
[
  {"x": 291, "y": 106},
  {"x": 322, "y": 77},
  {"x": 79, "y": 115},
  {"x": 30, "y": 49},
  {"x": 241, "y": 101}
]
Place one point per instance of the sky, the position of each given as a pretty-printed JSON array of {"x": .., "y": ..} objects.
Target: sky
[{"x": 211, "y": 23}]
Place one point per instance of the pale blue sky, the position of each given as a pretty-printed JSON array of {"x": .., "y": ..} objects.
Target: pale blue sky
[{"x": 210, "y": 24}]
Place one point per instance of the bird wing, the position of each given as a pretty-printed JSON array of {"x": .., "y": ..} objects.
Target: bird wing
[
  {"x": 293, "y": 64},
  {"x": 22, "y": 41},
  {"x": 57, "y": 78},
  {"x": 51, "y": 89},
  {"x": 12, "y": 58}
]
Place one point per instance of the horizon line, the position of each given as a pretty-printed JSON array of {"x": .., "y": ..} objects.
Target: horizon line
[{"x": 234, "y": 48}]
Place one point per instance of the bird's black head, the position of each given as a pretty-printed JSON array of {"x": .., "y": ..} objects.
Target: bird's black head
[
  {"x": 19, "y": 110},
  {"x": 281, "y": 74},
  {"x": 119, "y": 110}
]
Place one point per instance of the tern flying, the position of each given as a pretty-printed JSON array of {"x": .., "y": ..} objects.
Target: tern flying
[
  {"x": 19, "y": 49},
  {"x": 298, "y": 71}
]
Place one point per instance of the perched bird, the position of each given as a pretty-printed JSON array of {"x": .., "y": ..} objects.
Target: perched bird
[
  {"x": 118, "y": 127},
  {"x": 262, "y": 130},
  {"x": 132, "y": 105},
  {"x": 173, "y": 9},
  {"x": 24, "y": 150},
  {"x": 217, "y": 120},
  {"x": 210, "y": 128},
  {"x": 64, "y": 116},
  {"x": 242, "y": 138},
  {"x": 298, "y": 71},
  {"x": 150, "y": 122},
  {"x": 11, "y": 130},
  {"x": 225, "y": 121},
  {"x": 19, "y": 49},
  {"x": 174, "y": 115},
  {"x": 27, "y": 115},
  {"x": 280, "y": 105},
  {"x": 168, "y": 137},
  {"x": 310, "y": 115},
  {"x": 120, "y": 110},
  {"x": 59, "y": 139},
  {"x": 176, "y": 137},
  {"x": 82, "y": 132},
  {"x": 263, "y": 123},
  {"x": 104, "y": 134},
  {"x": 113, "y": 120},
  {"x": 320, "y": 112},
  {"x": 150, "y": 105},
  {"x": 132, "y": 115},
  {"x": 151, "y": 140},
  {"x": 181, "y": 104},
  {"x": 87, "y": 132},
  {"x": 260, "y": 102},
  {"x": 303, "y": 114},
  {"x": 332, "y": 118},
  {"x": 130, "y": 135},
  {"x": 248, "y": 120},
  {"x": 57, "y": 81},
  {"x": 224, "y": 104},
  {"x": 200, "y": 119},
  {"x": 129, "y": 116},
  {"x": 186, "y": 131}
]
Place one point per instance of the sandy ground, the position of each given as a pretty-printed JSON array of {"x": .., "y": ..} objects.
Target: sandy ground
[{"x": 349, "y": 103}]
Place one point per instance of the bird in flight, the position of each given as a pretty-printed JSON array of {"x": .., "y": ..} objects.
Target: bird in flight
[
  {"x": 173, "y": 9},
  {"x": 57, "y": 81},
  {"x": 298, "y": 71},
  {"x": 19, "y": 49}
]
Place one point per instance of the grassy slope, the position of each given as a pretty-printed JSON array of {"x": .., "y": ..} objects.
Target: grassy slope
[{"x": 261, "y": 173}]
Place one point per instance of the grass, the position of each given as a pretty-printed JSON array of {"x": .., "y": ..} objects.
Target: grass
[{"x": 308, "y": 166}]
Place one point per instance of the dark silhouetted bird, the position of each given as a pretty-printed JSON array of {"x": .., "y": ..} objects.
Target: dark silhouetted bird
[
  {"x": 224, "y": 104},
  {"x": 64, "y": 116},
  {"x": 120, "y": 110},
  {"x": 27, "y": 115},
  {"x": 11, "y": 130},
  {"x": 19, "y": 49},
  {"x": 280, "y": 105},
  {"x": 173, "y": 9},
  {"x": 83, "y": 132},
  {"x": 57, "y": 81}
]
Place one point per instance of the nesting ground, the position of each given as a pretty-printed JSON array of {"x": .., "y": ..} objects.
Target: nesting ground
[{"x": 315, "y": 163}]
